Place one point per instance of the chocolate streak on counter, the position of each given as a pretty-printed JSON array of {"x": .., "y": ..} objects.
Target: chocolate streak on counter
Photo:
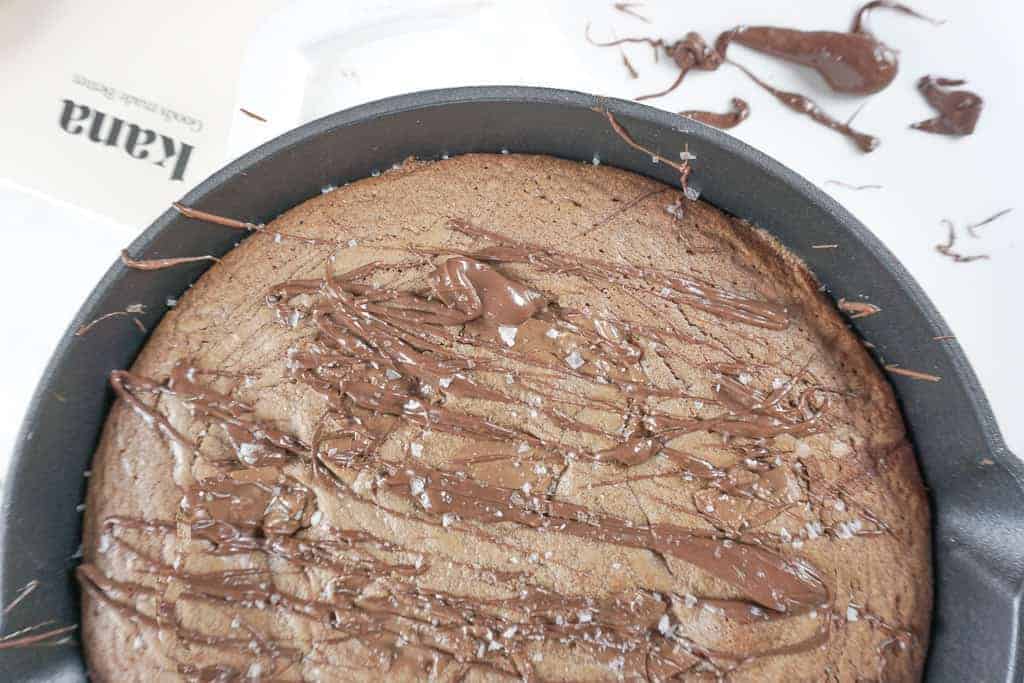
[
  {"x": 804, "y": 105},
  {"x": 740, "y": 112},
  {"x": 387, "y": 360},
  {"x": 959, "y": 110},
  {"x": 629, "y": 66},
  {"x": 854, "y": 62},
  {"x": 769, "y": 579},
  {"x": 682, "y": 289},
  {"x": 161, "y": 263}
]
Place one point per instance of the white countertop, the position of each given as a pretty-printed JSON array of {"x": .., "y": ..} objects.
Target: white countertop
[{"x": 312, "y": 58}]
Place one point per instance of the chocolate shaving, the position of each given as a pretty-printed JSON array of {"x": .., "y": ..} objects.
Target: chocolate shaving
[
  {"x": 252, "y": 115},
  {"x": 683, "y": 167},
  {"x": 132, "y": 309},
  {"x": 189, "y": 212},
  {"x": 236, "y": 224},
  {"x": 858, "y": 19},
  {"x": 824, "y": 246},
  {"x": 946, "y": 248},
  {"x": 629, "y": 65},
  {"x": 655, "y": 43},
  {"x": 971, "y": 229},
  {"x": 740, "y": 112},
  {"x": 850, "y": 186},
  {"x": 627, "y": 8},
  {"x": 913, "y": 374},
  {"x": 858, "y": 309},
  {"x": 943, "y": 337},
  {"x": 854, "y": 62},
  {"x": 19, "y": 638},
  {"x": 959, "y": 110},
  {"x": 10, "y": 642},
  {"x": 23, "y": 593},
  {"x": 161, "y": 263}
]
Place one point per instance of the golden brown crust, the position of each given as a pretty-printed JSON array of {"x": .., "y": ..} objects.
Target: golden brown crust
[{"x": 857, "y": 468}]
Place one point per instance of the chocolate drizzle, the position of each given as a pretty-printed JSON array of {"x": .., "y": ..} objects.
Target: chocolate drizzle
[
  {"x": 806, "y": 106},
  {"x": 422, "y": 359},
  {"x": 959, "y": 110},
  {"x": 740, "y": 112},
  {"x": 38, "y": 634}
]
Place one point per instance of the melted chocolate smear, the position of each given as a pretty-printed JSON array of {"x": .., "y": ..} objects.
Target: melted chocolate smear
[
  {"x": 849, "y": 62},
  {"x": 807, "y": 106},
  {"x": 740, "y": 112},
  {"x": 854, "y": 62},
  {"x": 959, "y": 110}
]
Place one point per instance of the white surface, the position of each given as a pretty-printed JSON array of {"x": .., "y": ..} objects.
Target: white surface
[
  {"x": 145, "y": 75},
  {"x": 312, "y": 58}
]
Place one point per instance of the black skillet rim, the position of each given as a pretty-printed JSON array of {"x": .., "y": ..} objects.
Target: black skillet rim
[{"x": 962, "y": 376}]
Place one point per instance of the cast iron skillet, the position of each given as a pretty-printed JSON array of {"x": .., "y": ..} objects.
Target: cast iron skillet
[{"x": 975, "y": 483}]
